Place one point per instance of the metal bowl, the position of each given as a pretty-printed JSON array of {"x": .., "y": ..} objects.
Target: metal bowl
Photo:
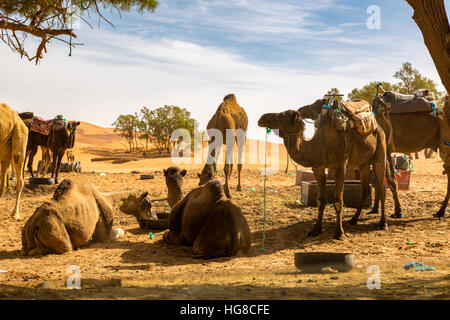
[
  {"x": 314, "y": 262},
  {"x": 160, "y": 224}
]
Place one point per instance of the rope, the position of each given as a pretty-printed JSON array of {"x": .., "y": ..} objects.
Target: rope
[{"x": 265, "y": 178}]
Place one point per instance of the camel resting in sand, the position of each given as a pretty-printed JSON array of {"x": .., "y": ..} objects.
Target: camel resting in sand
[
  {"x": 210, "y": 222},
  {"x": 77, "y": 213}
]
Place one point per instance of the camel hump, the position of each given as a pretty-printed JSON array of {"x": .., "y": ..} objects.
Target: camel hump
[
  {"x": 230, "y": 97},
  {"x": 62, "y": 189}
]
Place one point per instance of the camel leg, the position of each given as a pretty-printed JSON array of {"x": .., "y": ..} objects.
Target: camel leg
[
  {"x": 241, "y": 147},
  {"x": 321, "y": 200},
  {"x": 48, "y": 161},
  {"x": 18, "y": 163},
  {"x": 228, "y": 167},
  {"x": 52, "y": 235},
  {"x": 441, "y": 211},
  {"x": 339, "y": 176},
  {"x": 33, "y": 152},
  {"x": 380, "y": 173},
  {"x": 227, "y": 170},
  {"x": 393, "y": 186},
  {"x": 365, "y": 189},
  {"x": 5, "y": 164}
]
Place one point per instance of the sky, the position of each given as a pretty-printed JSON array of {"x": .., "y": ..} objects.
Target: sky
[{"x": 273, "y": 55}]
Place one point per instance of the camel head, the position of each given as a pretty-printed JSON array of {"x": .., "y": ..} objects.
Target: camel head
[
  {"x": 312, "y": 111},
  {"x": 72, "y": 127},
  {"x": 174, "y": 175},
  {"x": 206, "y": 175},
  {"x": 139, "y": 205},
  {"x": 287, "y": 123}
]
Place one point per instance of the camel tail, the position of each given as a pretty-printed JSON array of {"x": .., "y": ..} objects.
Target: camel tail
[{"x": 447, "y": 109}]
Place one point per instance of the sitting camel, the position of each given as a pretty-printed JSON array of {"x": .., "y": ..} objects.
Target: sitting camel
[
  {"x": 13, "y": 143},
  {"x": 337, "y": 150},
  {"x": 77, "y": 213},
  {"x": 210, "y": 222},
  {"x": 174, "y": 182}
]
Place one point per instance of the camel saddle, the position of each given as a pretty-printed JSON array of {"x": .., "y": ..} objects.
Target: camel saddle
[
  {"x": 355, "y": 114},
  {"x": 361, "y": 116},
  {"x": 43, "y": 126},
  {"x": 419, "y": 101}
]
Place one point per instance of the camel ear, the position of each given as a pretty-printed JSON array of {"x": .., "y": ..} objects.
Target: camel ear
[
  {"x": 145, "y": 194},
  {"x": 165, "y": 172},
  {"x": 199, "y": 175},
  {"x": 183, "y": 173}
]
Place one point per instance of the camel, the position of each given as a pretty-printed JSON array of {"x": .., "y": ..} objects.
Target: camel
[
  {"x": 209, "y": 222},
  {"x": 336, "y": 150},
  {"x": 399, "y": 138},
  {"x": 229, "y": 116},
  {"x": 13, "y": 143},
  {"x": 59, "y": 141},
  {"x": 70, "y": 155},
  {"x": 174, "y": 182},
  {"x": 77, "y": 213},
  {"x": 412, "y": 132}
]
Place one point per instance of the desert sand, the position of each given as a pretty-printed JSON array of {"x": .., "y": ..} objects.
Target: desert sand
[{"x": 151, "y": 269}]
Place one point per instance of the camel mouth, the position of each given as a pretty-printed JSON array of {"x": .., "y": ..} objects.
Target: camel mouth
[{"x": 267, "y": 120}]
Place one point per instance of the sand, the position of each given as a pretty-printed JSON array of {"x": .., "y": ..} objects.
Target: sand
[{"x": 151, "y": 269}]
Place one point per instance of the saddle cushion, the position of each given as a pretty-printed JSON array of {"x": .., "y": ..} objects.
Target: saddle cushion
[
  {"x": 365, "y": 122},
  {"x": 408, "y": 103},
  {"x": 356, "y": 106}
]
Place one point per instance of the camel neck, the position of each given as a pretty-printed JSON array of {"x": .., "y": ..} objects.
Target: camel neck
[
  {"x": 175, "y": 192},
  {"x": 302, "y": 151},
  {"x": 116, "y": 197}
]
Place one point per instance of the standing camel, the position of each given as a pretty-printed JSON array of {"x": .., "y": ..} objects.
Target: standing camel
[
  {"x": 229, "y": 118},
  {"x": 13, "y": 143},
  {"x": 58, "y": 142},
  {"x": 412, "y": 132},
  {"x": 337, "y": 150},
  {"x": 399, "y": 137}
]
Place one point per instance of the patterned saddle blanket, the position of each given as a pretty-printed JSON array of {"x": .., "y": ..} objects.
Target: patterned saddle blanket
[{"x": 43, "y": 126}]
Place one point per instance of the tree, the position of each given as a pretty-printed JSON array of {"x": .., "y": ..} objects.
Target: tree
[
  {"x": 335, "y": 91},
  {"x": 162, "y": 122},
  {"x": 127, "y": 127},
  {"x": 411, "y": 80},
  {"x": 431, "y": 17},
  {"x": 369, "y": 90},
  {"x": 48, "y": 20}
]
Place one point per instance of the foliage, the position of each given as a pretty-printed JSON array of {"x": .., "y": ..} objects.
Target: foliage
[
  {"x": 50, "y": 19},
  {"x": 127, "y": 126},
  {"x": 410, "y": 79}
]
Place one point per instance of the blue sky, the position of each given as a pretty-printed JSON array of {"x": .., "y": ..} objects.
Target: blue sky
[{"x": 273, "y": 55}]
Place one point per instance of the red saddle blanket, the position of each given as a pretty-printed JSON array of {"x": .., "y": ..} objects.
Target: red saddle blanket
[{"x": 43, "y": 126}]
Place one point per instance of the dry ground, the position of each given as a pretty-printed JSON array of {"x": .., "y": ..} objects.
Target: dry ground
[{"x": 149, "y": 268}]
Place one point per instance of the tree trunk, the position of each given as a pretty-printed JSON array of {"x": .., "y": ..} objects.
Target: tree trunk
[{"x": 432, "y": 20}]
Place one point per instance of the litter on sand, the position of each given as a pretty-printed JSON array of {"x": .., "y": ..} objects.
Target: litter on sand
[
  {"x": 418, "y": 266},
  {"x": 3, "y": 271},
  {"x": 409, "y": 242},
  {"x": 252, "y": 189}
]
